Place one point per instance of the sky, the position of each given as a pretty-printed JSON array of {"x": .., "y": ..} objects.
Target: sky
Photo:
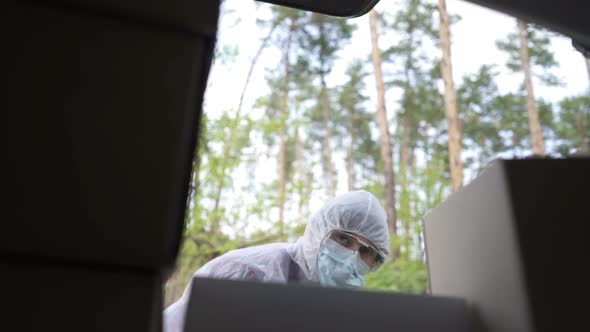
[{"x": 473, "y": 44}]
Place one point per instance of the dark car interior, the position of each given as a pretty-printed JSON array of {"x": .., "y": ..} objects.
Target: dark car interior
[{"x": 102, "y": 101}]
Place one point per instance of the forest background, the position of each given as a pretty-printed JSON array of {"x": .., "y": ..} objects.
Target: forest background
[{"x": 409, "y": 102}]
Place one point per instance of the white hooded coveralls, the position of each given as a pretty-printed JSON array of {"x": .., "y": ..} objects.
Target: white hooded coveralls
[{"x": 358, "y": 212}]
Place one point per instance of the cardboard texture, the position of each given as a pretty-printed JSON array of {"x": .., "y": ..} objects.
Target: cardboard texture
[
  {"x": 512, "y": 243},
  {"x": 227, "y": 306}
]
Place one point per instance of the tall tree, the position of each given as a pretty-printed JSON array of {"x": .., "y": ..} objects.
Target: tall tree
[
  {"x": 573, "y": 127},
  {"x": 356, "y": 127},
  {"x": 282, "y": 183},
  {"x": 526, "y": 49},
  {"x": 349, "y": 98},
  {"x": 477, "y": 97},
  {"x": 386, "y": 147},
  {"x": 322, "y": 38},
  {"x": 534, "y": 123},
  {"x": 287, "y": 22},
  {"x": 454, "y": 126},
  {"x": 417, "y": 74},
  {"x": 303, "y": 109},
  {"x": 413, "y": 73},
  {"x": 230, "y": 142},
  {"x": 587, "y": 63}
]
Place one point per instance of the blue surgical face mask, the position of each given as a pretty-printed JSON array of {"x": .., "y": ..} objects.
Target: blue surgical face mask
[{"x": 340, "y": 267}]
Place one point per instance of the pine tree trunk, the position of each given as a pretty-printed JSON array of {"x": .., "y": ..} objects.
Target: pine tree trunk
[
  {"x": 533, "y": 112},
  {"x": 405, "y": 144},
  {"x": 350, "y": 152},
  {"x": 282, "y": 177},
  {"x": 325, "y": 109},
  {"x": 327, "y": 145},
  {"x": 454, "y": 125},
  {"x": 300, "y": 169},
  {"x": 404, "y": 213},
  {"x": 580, "y": 125},
  {"x": 215, "y": 212},
  {"x": 282, "y": 181},
  {"x": 349, "y": 167},
  {"x": 386, "y": 149}
]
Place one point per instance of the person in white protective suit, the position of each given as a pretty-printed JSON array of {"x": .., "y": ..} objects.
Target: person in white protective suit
[{"x": 343, "y": 241}]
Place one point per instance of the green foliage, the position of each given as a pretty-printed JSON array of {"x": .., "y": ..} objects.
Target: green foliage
[
  {"x": 223, "y": 205},
  {"x": 353, "y": 123},
  {"x": 226, "y": 54},
  {"x": 414, "y": 25},
  {"x": 573, "y": 127},
  {"x": 540, "y": 58},
  {"x": 414, "y": 72},
  {"x": 408, "y": 273},
  {"x": 495, "y": 122},
  {"x": 320, "y": 39},
  {"x": 483, "y": 114},
  {"x": 417, "y": 73},
  {"x": 407, "y": 276}
]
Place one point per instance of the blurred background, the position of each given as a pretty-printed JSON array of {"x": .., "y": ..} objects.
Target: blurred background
[{"x": 301, "y": 107}]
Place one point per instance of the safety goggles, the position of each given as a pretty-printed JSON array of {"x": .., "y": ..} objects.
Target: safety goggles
[{"x": 366, "y": 251}]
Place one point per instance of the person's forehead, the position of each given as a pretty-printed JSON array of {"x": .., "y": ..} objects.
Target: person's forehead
[{"x": 360, "y": 237}]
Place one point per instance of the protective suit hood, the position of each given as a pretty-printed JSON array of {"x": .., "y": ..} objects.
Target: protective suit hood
[{"x": 358, "y": 212}]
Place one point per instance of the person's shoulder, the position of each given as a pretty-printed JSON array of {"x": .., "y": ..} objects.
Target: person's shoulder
[
  {"x": 269, "y": 249},
  {"x": 258, "y": 257},
  {"x": 227, "y": 268},
  {"x": 257, "y": 263}
]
